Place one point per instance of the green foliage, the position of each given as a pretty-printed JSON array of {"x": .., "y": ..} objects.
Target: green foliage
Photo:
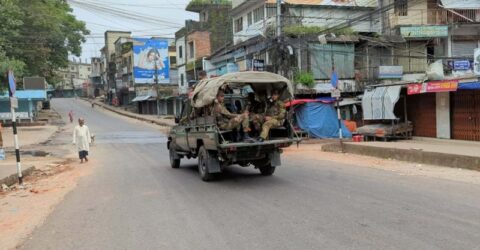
[
  {"x": 305, "y": 78},
  {"x": 296, "y": 30},
  {"x": 37, "y": 36},
  {"x": 200, "y": 2}
]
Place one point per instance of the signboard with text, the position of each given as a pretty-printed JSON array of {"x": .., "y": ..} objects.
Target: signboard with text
[
  {"x": 424, "y": 31},
  {"x": 432, "y": 87},
  {"x": 461, "y": 65},
  {"x": 390, "y": 72},
  {"x": 461, "y": 4}
]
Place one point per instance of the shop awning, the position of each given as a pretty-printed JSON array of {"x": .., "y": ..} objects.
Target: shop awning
[
  {"x": 141, "y": 98},
  {"x": 378, "y": 103}
]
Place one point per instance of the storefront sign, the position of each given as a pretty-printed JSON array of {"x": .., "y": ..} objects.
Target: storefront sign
[
  {"x": 476, "y": 64},
  {"x": 432, "y": 87},
  {"x": 413, "y": 89},
  {"x": 424, "y": 31},
  {"x": 461, "y": 4},
  {"x": 442, "y": 86},
  {"x": 461, "y": 65},
  {"x": 258, "y": 65},
  {"x": 390, "y": 72}
]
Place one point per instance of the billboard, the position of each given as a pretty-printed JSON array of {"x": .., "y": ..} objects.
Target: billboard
[{"x": 150, "y": 60}]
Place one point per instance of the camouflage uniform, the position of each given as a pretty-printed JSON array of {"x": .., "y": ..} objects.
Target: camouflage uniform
[
  {"x": 227, "y": 120},
  {"x": 276, "y": 111},
  {"x": 256, "y": 113}
]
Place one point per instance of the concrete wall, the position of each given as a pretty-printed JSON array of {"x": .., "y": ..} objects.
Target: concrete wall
[
  {"x": 443, "y": 115},
  {"x": 325, "y": 16},
  {"x": 417, "y": 14}
]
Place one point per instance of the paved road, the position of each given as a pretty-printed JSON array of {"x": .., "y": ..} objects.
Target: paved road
[{"x": 134, "y": 200}]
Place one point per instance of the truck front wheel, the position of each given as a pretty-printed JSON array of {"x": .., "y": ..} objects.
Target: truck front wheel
[
  {"x": 203, "y": 160},
  {"x": 174, "y": 160},
  {"x": 267, "y": 169}
]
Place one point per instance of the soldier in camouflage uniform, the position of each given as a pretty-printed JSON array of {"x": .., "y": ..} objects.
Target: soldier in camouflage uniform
[
  {"x": 256, "y": 111},
  {"x": 227, "y": 120},
  {"x": 274, "y": 116}
]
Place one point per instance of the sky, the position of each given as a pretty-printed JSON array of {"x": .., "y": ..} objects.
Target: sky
[{"x": 145, "y": 18}]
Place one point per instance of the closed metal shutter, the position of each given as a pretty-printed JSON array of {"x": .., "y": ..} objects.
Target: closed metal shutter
[
  {"x": 423, "y": 114},
  {"x": 464, "y": 48},
  {"x": 466, "y": 115}
]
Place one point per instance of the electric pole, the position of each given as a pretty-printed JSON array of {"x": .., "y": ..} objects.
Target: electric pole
[
  {"x": 156, "y": 84},
  {"x": 279, "y": 20}
]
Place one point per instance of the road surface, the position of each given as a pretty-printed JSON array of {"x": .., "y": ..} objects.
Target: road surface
[{"x": 134, "y": 200}]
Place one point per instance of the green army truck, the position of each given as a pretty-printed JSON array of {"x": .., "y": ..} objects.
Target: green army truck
[{"x": 197, "y": 134}]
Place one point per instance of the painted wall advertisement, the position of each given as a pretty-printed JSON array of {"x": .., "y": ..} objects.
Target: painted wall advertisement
[
  {"x": 432, "y": 87},
  {"x": 151, "y": 60}
]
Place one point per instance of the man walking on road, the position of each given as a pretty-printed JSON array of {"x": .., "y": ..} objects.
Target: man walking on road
[{"x": 82, "y": 139}]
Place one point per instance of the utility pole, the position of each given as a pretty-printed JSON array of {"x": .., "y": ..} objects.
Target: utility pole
[
  {"x": 157, "y": 87},
  {"x": 13, "y": 105},
  {"x": 279, "y": 19}
]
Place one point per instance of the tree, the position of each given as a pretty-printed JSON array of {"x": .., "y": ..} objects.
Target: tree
[{"x": 41, "y": 34}]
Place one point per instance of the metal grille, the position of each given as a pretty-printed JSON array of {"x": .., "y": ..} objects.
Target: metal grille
[
  {"x": 422, "y": 112},
  {"x": 466, "y": 115}
]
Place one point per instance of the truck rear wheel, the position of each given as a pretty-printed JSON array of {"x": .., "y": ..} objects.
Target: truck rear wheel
[
  {"x": 267, "y": 169},
  {"x": 174, "y": 160},
  {"x": 203, "y": 159}
]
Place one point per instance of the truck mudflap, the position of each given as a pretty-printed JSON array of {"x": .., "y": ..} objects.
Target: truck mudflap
[{"x": 275, "y": 159}]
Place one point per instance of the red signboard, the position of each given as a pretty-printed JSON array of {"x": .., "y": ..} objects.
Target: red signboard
[
  {"x": 432, "y": 87},
  {"x": 442, "y": 86},
  {"x": 413, "y": 89}
]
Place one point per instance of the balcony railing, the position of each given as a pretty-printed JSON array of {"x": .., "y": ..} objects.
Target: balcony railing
[{"x": 435, "y": 17}]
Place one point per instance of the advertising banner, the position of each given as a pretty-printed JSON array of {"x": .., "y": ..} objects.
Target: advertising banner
[
  {"x": 413, "y": 89},
  {"x": 461, "y": 4},
  {"x": 442, "y": 86},
  {"x": 150, "y": 57},
  {"x": 432, "y": 87}
]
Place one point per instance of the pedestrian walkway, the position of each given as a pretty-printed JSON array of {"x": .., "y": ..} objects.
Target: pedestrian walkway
[
  {"x": 451, "y": 153},
  {"x": 162, "y": 121}
]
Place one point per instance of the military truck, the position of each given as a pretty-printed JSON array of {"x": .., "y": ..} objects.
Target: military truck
[{"x": 197, "y": 134}]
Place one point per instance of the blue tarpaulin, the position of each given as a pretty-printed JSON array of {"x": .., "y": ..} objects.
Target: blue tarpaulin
[
  {"x": 469, "y": 85},
  {"x": 320, "y": 120}
]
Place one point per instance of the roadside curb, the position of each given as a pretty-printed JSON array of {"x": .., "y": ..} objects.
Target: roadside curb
[
  {"x": 129, "y": 114},
  {"x": 12, "y": 179},
  {"x": 408, "y": 155}
]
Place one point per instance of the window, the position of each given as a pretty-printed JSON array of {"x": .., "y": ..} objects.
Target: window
[
  {"x": 271, "y": 11},
  {"x": 88, "y": 68},
  {"x": 401, "y": 7},
  {"x": 180, "y": 52},
  {"x": 72, "y": 68},
  {"x": 73, "y": 76},
  {"x": 249, "y": 18},
  {"x": 191, "y": 50},
  {"x": 258, "y": 14},
  {"x": 239, "y": 24},
  {"x": 182, "y": 82}
]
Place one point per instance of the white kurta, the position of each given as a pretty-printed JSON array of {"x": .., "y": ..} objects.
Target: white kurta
[{"x": 81, "y": 137}]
